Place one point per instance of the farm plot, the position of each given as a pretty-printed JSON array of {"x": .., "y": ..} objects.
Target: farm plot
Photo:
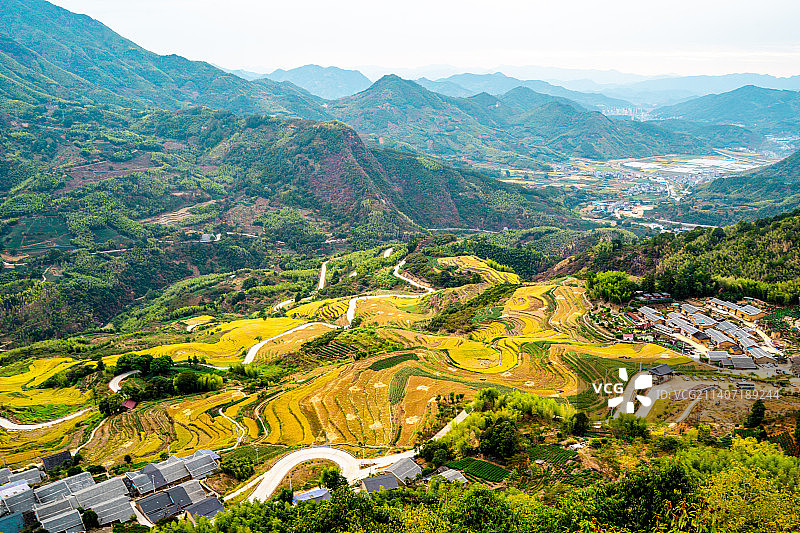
[
  {"x": 20, "y": 448},
  {"x": 287, "y": 422},
  {"x": 328, "y": 310},
  {"x": 480, "y": 469},
  {"x": 289, "y": 343},
  {"x": 401, "y": 312},
  {"x": 471, "y": 263},
  {"x": 530, "y": 298},
  {"x": 561, "y": 465},
  {"x": 198, "y": 424},
  {"x": 18, "y": 392},
  {"x": 236, "y": 337},
  {"x": 490, "y": 332},
  {"x": 37, "y": 235},
  {"x": 569, "y": 309}
]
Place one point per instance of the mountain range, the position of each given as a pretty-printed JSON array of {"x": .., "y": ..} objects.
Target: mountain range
[
  {"x": 326, "y": 82},
  {"x": 764, "y": 110}
]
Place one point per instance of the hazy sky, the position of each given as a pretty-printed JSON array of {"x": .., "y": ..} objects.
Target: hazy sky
[{"x": 643, "y": 36}]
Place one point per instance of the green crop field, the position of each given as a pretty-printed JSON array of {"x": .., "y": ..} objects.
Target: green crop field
[{"x": 35, "y": 235}]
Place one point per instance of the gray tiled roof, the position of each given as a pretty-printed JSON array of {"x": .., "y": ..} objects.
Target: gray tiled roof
[
  {"x": 405, "y": 469},
  {"x": 209, "y": 507},
  {"x": 51, "y": 462},
  {"x": 200, "y": 465},
  {"x": 141, "y": 482},
  {"x": 116, "y": 509},
  {"x": 453, "y": 475},
  {"x": 68, "y": 522},
  {"x": 4, "y": 475},
  {"x": 21, "y": 501},
  {"x": 106, "y": 491},
  {"x": 173, "y": 469},
  {"x": 157, "y": 506},
  {"x": 717, "y": 336},
  {"x": 155, "y": 476},
  {"x": 46, "y": 510},
  {"x": 194, "y": 490},
  {"x": 32, "y": 476},
  {"x": 382, "y": 482},
  {"x": 63, "y": 488}
]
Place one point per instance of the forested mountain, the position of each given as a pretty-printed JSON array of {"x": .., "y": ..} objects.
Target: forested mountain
[
  {"x": 499, "y": 83},
  {"x": 48, "y": 53},
  {"x": 716, "y": 134},
  {"x": 763, "y": 192},
  {"x": 326, "y": 82},
  {"x": 760, "y": 259},
  {"x": 519, "y": 127},
  {"x": 764, "y": 110}
]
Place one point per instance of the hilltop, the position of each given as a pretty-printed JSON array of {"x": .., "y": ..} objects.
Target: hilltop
[
  {"x": 48, "y": 54},
  {"x": 764, "y": 110},
  {"x": 520, "y": 127},
  {"x": 326, "y": 82},
  {"x": 759, "y": 193}
]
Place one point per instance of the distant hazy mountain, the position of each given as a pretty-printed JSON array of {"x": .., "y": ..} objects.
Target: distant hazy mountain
[
  {"x": 246, "y": 74},
  {"x": 327, "y": 82},
  {"x": 499, "y": 83},
  {"x": 672, "y": 90},
  {"x": 764, "y": 110},
  {"x": 516, "y": 128},
  {"x": 758, "y": 193},
  {"x": 447, "y": 88},
  {"x": 65, "y": 55}
]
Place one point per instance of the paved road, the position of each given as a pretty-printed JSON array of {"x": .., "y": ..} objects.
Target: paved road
[
  {"x": 322, "y": 272},
  {"x": 240, "y": 431},
  {"x": 253, "y": 351},
  {"x": 116, "y": 382},
  {"x": 11, "y": 426},
  {"x": 283, "y": 304},
  {"x": 351, "y": 466}
]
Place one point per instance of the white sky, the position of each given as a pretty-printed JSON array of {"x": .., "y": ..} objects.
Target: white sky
[{"x": 644, "y": 36}]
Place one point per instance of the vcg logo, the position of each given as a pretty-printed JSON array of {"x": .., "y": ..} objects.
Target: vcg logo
[{"x": 643, "y": 382}]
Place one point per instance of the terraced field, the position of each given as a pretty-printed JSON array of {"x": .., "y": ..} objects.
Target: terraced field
[
  {"x": 181, "y": 427},
  {"x": 533, "y": 341},
  {"x": 328, "y": 310},
  {"x": 470, "y": 263},
  {"x": 237, "y": 336},
  {"x": 19, "y": 392}
]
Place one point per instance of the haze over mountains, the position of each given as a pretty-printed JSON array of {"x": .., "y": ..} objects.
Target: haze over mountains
[{"x": 51, "y": 56}]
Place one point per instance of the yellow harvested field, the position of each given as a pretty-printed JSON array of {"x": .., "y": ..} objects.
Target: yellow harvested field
[
  {"x": 289, "y": 343},
  {"x": 20, "y": 390},
  {"x": 649, "y": 353},
  {"x": 529, "y": 298},
  {"x": 21, "y": 448},
  {"x": 389, "y": 311},
  {"x": 470, "y": 263},
  {"x": 202, "y": 319},
  {"x": 328, "y": 310},
  {"x": 490, "y": 332},
  {"x": 236, "y": 336}
]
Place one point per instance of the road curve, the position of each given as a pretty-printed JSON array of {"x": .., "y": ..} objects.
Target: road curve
[
  {"x": 281, "y": 305},
  {"x": 240, "y": 431},
  {"x": 253, "y": 351},
  {"x": 116, "y": 382},
  {"x": 352, "y": 467},
  {"x": 11, "y": 426}
]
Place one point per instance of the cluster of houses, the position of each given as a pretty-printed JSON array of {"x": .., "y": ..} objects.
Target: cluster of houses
[
  {"x": 169, "y": 488},
  {"x": 393, "y": 477},
  {"x": 730, "y": 345}
]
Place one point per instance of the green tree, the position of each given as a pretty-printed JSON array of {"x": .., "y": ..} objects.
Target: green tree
[
  {"x": 756, "y": 415},
  {"x": 501, "y": 439},
  {"x": 110, "y": 405},
  {"x": 629, "y": 426},
  {"x": 332, "y": 478}
]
